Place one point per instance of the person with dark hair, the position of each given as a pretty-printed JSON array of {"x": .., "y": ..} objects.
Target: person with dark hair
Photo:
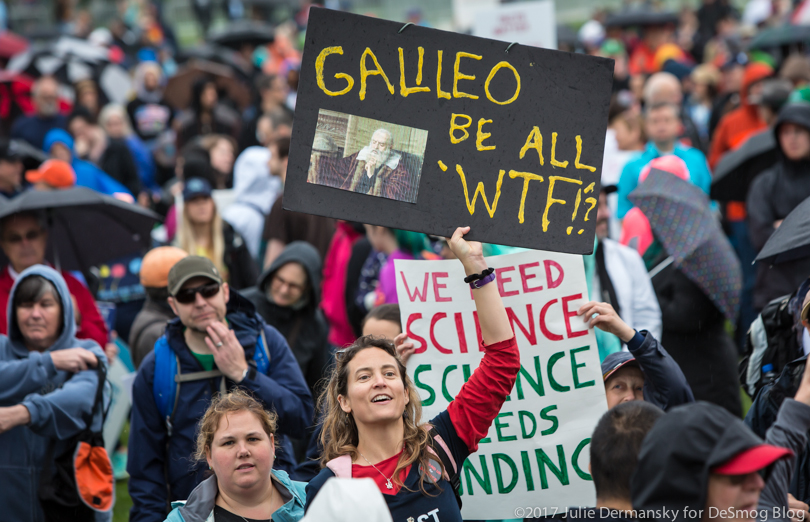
[
  {"x": 272, "y": 90},
  {"x": 150, "y": 323},
  {"x": 24, "y": 238},
  {"x": 615, "y": 444},
  {"x": 283, "y": 226},
  {"x": 207, "y": 115},
  {"x": 383, "y": 321},
  {"x": 11, "y": 169},
  {"x": 48, "y": 383}
]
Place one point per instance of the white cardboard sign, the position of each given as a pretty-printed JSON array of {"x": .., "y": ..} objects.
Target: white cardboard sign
[{"x": 536, "y": 453}]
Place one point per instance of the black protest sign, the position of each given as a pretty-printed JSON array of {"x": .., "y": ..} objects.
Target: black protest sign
[{"x": 427, "y": 130}]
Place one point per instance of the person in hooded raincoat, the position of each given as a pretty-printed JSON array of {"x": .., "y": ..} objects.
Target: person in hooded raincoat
[
  {"x": 774, "y": 194},
  {"x": 48, "y": 383},
  {"x": 287, "y": 297},
  {"x": 59, "y": 144}
]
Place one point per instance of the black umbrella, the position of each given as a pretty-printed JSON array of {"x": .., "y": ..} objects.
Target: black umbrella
[
  {"x": 779, "y": 36},
  {"x": 738, "y": 168},
  {"x": 30, "y": 156},
  {"x": 641, "y": 17},
  {"x": 243, "y": 32},
  {"x": 791, "y": 240},
  {"x": 86, "y": 228}
]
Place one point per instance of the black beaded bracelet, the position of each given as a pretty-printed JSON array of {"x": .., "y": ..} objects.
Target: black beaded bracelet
[{"x": 475, "y": 277}]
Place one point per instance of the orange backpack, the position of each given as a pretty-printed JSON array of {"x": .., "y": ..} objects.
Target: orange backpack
[{"x": 78, "y": 484}]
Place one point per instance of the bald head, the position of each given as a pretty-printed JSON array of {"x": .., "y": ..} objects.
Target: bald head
[
  {"x": 45, "y": 94},
  {"x": 663, "y": 87}
]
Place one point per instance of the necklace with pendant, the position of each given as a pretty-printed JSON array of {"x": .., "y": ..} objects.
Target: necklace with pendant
[{"x": 388, "y": 483}]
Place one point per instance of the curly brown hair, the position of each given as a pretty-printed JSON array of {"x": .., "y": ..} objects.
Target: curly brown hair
[
  {"x": 224, "y": 404},
  {"x": 340, "y": 437}
]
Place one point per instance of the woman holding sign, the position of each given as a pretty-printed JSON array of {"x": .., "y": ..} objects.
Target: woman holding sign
[{"x": 372, "y": 425}]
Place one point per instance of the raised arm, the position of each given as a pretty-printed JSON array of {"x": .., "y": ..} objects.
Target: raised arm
[{"x": 481, "y": 397}]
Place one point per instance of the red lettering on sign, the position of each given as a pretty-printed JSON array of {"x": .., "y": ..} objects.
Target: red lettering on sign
[
  {"x": 569, "y": 314},
  {"x": 552, "y": 283},
  {"x": 412, "y": 336},
  {"x": 436, "y": 318},
  {"x": 415, "y": 294},
  {"x": 531, "y": 334},
  {"x": 438, "y": 286},
  {"x": 524, "y": 277},
  {"x": 551, "y": 336},
  {"x": 462, "y": 339},
  {"x": 502, "y": 280}
]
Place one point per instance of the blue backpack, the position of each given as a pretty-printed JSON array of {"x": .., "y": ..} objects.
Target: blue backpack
[{"x": 168, "y": 378}]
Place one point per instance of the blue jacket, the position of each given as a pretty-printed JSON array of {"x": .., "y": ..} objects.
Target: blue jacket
[
  {"x": 200, "y": 504},
  {"x": 699, "y": 172},
  {"x": 283, "y": 389},
  {"x": 143, "y": 161},
  {"x": 664, "y": 383},
  {"x": 87, "y": 174},
  {"x": 57, "y": 405}
]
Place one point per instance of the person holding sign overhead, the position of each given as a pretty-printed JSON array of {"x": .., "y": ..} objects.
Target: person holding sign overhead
[{"x": 372, "y": 425}]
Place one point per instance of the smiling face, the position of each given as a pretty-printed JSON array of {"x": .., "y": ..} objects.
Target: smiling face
[
  {"x": 375, "y": 388},
  {"x": 625, "y": 385},
  {"x": 241, "y": 453},
  {"x": 737, "y": 495}
]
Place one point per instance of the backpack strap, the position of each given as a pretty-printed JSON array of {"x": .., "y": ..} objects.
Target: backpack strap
[
  {"x": 165, "y": 386},
  {"x": 341, "y": 466},
  {"x": 439, "y": 448},
  {"x": 261, "y": 353}
]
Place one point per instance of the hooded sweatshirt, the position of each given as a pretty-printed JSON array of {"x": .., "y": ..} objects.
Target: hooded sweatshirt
[
  {"x": 56, "y": 401},
  {"x": 677, "y": 456},
  {"x": 87, "y": 174},
  {"x": 772, "y": 196},
  {"x": 256, "y": 190},
  {"x": 304, "y": 327},
  {"x": 740, "y": 123}
]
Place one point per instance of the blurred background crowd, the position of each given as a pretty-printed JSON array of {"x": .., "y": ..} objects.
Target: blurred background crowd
[{"x": 182, "y": 112}]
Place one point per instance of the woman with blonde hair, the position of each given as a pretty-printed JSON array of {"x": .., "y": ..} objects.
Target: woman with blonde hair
[
  {"x": 203, "y": 232},
  {"x": 237, "y": 439},
  {"x": 372, "y": 412}
]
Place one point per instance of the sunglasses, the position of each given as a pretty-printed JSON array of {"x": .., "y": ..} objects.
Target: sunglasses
[
  {"x": 31, "y": 235},
  {"x": 189, "y": 295}
]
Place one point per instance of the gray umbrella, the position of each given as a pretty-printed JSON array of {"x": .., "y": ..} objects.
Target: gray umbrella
[{"x": 86, "y": 228}]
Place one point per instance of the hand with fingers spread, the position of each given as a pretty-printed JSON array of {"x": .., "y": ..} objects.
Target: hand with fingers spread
[
  {"x": 229, "y": 355},
  {"x": 604, "y": 317},
  {"x": 405, "y": 347},
  {"x": 73, "y": 360}
]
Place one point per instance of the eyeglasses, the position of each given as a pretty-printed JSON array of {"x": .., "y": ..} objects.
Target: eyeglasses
[
  {"x": 31, "y": 235},
  {"x": 189, "y": 295},
  {"x": 278, "y": 281}
]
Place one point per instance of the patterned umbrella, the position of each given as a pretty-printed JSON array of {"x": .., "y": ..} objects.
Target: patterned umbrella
[
  {"x": 71, "y": 60},
  {"x": 680, "y": 217}
]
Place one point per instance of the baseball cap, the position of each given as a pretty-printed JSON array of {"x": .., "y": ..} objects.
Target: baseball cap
[
  {"x": 751, "y": 460},
  {"x": 190, "y": 267},
  {"x": 54, "y": 172},
  {"x": 9, "y": 151},
  {"x": 157, "y": 263},
  {"x": 196, "y": 187},
  {"x": 615, "y": 361}
]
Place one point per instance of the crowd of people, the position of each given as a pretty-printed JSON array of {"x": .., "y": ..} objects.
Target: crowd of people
[{"x": 268, "y": 346}]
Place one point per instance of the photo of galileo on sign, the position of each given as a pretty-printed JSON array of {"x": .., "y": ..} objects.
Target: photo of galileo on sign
[{"x": 367, "y": 156}]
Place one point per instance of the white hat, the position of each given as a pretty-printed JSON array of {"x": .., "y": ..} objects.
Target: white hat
[
  {"x": 349, "y": 500},
  {"x": 591, "y": 33}
]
